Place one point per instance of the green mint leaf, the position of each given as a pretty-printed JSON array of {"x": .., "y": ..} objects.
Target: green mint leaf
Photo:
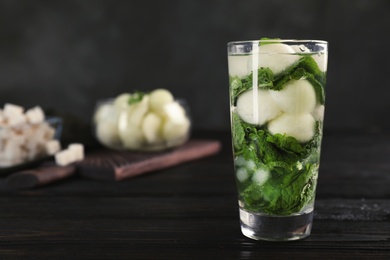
[
  {"x": 238, "y": 132},
  {"x": 292, "y": 169},
  {"x": 286, "y": 143},
  {"x": 136, "y": 97},
  {"x": 318, "y": 88},
  {"x": 268, "y": 40},
  {"x": 265, "y": 78},
  {"x": 310, "y": 65},
  {"x": 238, "y": 86},
  {"x": 296, "y": 74},
  {"x": 282, "y": 194},
  {"x": 235, "y": 88},
  {"x": 312, "y": 148}
]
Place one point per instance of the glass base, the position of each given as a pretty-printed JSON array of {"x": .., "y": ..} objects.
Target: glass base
[{"x": 276, "y": 228}]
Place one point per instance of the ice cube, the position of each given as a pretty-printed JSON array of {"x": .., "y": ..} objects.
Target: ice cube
[
  {"x": 240, "y": 161},
  {"x": 242, "y": 174},
  {"x": 260, "y": 176}
]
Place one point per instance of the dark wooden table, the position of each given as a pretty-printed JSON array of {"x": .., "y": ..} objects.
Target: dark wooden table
[{"x": 190, "y": 211}]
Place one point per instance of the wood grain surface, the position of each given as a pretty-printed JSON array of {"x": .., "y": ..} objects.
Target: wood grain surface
[
  {"x": 119, "y": 165},
  {"x": 190, "y": 212}
]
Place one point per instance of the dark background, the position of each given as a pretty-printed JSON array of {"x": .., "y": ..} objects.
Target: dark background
[{"x": 65, "y": 55}]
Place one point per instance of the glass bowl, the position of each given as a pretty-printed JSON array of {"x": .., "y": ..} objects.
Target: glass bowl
[{"x": 138, "y": 127}]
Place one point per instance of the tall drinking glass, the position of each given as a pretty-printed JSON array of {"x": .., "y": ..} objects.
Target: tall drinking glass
[{"x": 277, "y": 95}]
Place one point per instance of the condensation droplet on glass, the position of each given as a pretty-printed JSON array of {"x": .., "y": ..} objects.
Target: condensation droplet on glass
[{"x": 302, "y": 48}]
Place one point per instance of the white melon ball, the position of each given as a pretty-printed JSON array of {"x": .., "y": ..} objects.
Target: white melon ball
[
  {"x": 129, "y": 125},
  {"x": 176, "y": 131},
  {"x": 322, "y": 60},
  {"x": 132, "y": 137},
  {"x": 137, "y": 111},
  {"x": 296, "y": 97},
  {"x": 238, "y": 65},
  {"x": 276, "y": 56},
  {"x": 107, "y": 133},
  {"x": 105, "y": 111},
  {"x": 257, "y": 109},
  {"x": 151, "y": 127},
  {"x": 174, "y": 112},
  {"x": 318, "y": 113},
  {"x": 122, "y": 101},
  {"x": 160, "y": 97},
  {"x": 301, "y": 127}
]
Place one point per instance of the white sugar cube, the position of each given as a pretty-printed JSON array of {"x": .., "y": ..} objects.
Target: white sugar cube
[
  {"x": 18, "y": 139},
  {"x": 64, "y": 157},
  {"x": 31, "y": 154},
  {"x": 14, "y": 114},
  {"x": 5, "y": 133},
  {"x": 30, "y": 144},
  {"x": 43, "y": 132},
  {"x": 52, "y": 147},
  {"x": 2, "y": 117},
  {"x": 49, "y": 132},
  {"x": 10, "y": 110},
  {"x": 5, "y": 163},
  {"x": 12, "y": 152},
  {"x": 35, "y": 115},
  {"x": 78, "y": 151},
  {"x": 16, "y": 119},
  {"x": 26, "y": 130}
]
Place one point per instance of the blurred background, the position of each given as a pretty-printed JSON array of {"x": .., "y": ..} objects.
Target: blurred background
[{"x": 66, "y": 55}]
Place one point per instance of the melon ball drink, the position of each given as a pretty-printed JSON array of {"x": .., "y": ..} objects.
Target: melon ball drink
[{"x": 277, "y": 109}]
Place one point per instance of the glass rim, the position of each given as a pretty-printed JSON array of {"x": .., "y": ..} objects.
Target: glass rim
[{"x": 276, "y": 41}]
